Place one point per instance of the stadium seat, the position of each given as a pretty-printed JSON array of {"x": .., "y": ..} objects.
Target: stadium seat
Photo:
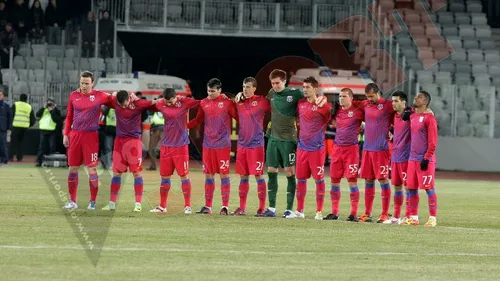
[
  {"x": 492, "y": 56},
  {"x": 494, "y": 70},
  {"x": 443, "y": 77},
  {"x": 479, "y": 67},
  {"x": 482, "y": 80},
  {"x": 481, "y": 130},
  {"x": 474, "y": 7},
  {"x": 466, "y": 30},
  {"x": 455, "y": 41},
  {"x": 447, "y": 66},
  {"x": 462, "y": 18},
  {"x": 479, "y": 19},
  {"x": 463, "y": 67},
  {"x": 470, "y": 43},
  {"x": 457, "y": 7},
  {"x": 475, "y": 55},
  {"x": 487, "y": 44},
  {"x": 483, "y": 31}
]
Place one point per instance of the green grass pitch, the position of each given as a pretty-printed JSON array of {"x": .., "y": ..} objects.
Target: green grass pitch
[{"x": 39, "y": 241}]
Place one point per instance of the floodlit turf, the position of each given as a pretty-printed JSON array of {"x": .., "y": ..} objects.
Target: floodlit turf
[{"x": 38, "y": 241}]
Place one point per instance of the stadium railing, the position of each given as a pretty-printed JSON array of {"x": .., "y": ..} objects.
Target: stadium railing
[{"x": 233, "y": 17}]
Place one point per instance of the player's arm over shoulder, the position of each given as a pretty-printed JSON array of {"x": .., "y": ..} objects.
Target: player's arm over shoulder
[{"x": 270, "y": 94}]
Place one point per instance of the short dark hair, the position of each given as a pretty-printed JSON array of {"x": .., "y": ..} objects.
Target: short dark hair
[
  {"x": 370, "y": 87},
  {"x": 278, "y": 73},
  {"x": 121, "y": 96},
  {"x": 312, "y": 81},
  {"x": 214, "y": 83},
  {"x": 427, "y": 96},
  {"x": 348, "y": 90},
  {"x": 87, "y": 74},
  {"x": 402, "y": 95},
  {"x": 138, "y": 93},
  {"x": 169, "y": 93},
  {"x": 23, "y": 97},
  {"x": 250, "y": 80}
]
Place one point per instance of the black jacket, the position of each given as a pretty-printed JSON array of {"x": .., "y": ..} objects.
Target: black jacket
[{"x": 5, "y": 117}]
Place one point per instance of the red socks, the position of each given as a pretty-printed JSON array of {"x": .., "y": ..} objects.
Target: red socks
[
  {"x": 138, "y": 189},
  {"x": 320, "y": 195},
  {"x": 243, "y": 191},
  {"x": 398, "y": 202},
  {"x": 300, "y": 192},
  {"x": 164, "y": 189},
  {"x": 186, "y": 190},
  {"x": 354, "y": 196},
  {"x": 94, "y": 186},
  {"x": 369, "y": 198},
  {"x": 72, "y": 186},
  {"x": 335, "y": 198}
]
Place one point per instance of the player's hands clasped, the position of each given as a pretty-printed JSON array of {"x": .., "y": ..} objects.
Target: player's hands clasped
[
  {"x": 424, "y": 164},
  {"x": 66, "y": 141}
]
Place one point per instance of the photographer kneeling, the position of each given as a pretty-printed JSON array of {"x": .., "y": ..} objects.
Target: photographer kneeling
[{"x": 49, "y": 116}]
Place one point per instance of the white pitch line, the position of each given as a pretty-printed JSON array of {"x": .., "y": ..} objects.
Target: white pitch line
[{"x": 237, "y": 252}]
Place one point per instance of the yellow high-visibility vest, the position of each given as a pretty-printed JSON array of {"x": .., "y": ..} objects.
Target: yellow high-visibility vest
[
  {"x": 361, "y": 137},
  {"x": 22, "y": 115},
  {"x": 158, "y": 119},
  {"x": 46, "y": 123},
  {"x": 111, "y": 118}
]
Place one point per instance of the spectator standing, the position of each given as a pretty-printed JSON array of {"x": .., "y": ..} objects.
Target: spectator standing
[
  {"x": 54, "y": 19},
  {"x": 88, "y": 35},
  {"x": 49, "y": 116},
  {"x": 8, "y": 38},
  {"x": 109, "y": 136},
  {"x": 5, "y": 127},
  {"x": 37, "y": 23},
  {"x": 106, "y": 30},
  {"x": 24, "y": 118},
  {"x": 19, "y": 16},
  {"x": 4, "y": 16}
]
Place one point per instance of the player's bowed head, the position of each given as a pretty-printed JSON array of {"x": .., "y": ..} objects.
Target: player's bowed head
[
  {"x": 169, "y": 96},
  {"x": 249, "y": 88},
  {"x": 372, "y": 93},
  {"x": 214, "y": 88}
]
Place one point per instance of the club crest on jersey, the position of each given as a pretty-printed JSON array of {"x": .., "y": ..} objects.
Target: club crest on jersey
[
  {"x": 131, "y": 106},
  {"x": 221, "y": 105},
  {"x": 380, "y": 106},
  {"x": 421, "y": 119},
  {"x": 350, "y": 114},
  {"x": 314, "y": 108},
  {"x": 178, "y": 104},
  {"x": 289, "y": 98},
  {"x": 92, "y": 98},
  {"x": 254, "y": 103}
]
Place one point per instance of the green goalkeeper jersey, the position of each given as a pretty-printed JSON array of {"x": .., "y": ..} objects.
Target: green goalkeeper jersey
[{"x": 284, "y": 113}]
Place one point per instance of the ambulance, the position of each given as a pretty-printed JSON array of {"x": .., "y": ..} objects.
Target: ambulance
[
  {"x": 331, "y": 81},
  {"x": 151, "y": 85}
]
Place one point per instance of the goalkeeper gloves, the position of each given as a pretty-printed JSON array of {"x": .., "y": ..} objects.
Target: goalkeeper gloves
[
  {"x": 406, "y": 114},
  {"x": 239, "y": 97},
  {"x": 424, "y": 164}
]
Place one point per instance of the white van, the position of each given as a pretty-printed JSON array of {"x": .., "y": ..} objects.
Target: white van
[
  {"x": 331, "y": 81},
  {"x": 151, "y": 85}
]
